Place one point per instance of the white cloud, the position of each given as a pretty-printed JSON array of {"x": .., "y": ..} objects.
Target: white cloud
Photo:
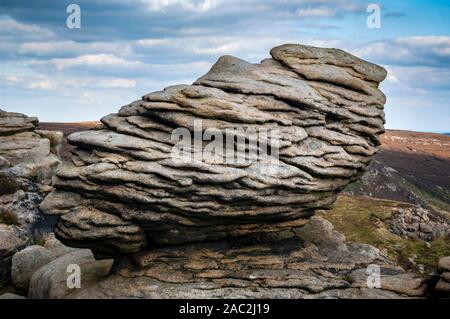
[
  {"x": 13, "y": 79},
  {"x": 253, "y": 48},
  {"x": 185, "y": 37},
  {"x": 425, "y": 41},
  {"x": 318, "y": 12},
  {"x": 73, "y": 48},
  {"x": 91, "y": 60},
  {"x": 117, "y": 83},
  {"x": 154, "y": 42},
  {"x": 11, "y": 27},
  {"x": 420, "y": 50},
  {"x": 190, "y": 5},
  {"x": 41, "y": 85}
]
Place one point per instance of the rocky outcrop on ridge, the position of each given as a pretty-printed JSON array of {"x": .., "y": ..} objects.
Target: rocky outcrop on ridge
[
  {"x": 420, "y": 223},
  {"x": 28, "y": 160},
  {"x": 125, "y": 190}
]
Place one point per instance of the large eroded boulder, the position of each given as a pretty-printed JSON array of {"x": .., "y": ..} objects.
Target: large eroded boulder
[{"x": 319, "y": 111}]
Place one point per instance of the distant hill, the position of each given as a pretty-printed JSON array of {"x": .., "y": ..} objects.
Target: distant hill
[
  {"x": 411, "y": 167},
  {"x": 67, "y": 129}
]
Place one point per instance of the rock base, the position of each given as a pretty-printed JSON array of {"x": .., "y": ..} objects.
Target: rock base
[{"x": 312, "y": 261}]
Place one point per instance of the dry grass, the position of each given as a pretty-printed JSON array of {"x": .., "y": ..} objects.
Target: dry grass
[{"x": 8, "y": 217}]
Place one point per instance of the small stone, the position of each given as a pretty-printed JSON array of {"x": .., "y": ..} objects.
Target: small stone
[
  {"x": 421, "y": 268},
  {"x": 426, "y": 228},
  {"x": 50, "y": 281},
  {"x": 446, "y": 276},
  {"x": 26, "y": 262},
  {"x": 412, "y": 260},
  {"x": 46, "y": 189},
  {"x": 443, "y": 287},
  {"x": 444, "y": 264},
  {"x": 9, "y": 295}
]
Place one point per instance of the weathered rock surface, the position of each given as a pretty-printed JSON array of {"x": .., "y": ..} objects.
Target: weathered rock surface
[
  {"x": 11, "y": 241},
  {"x": 28, "y": 160},
  {"x": 443, "y": 285},
  {"x": 419, "y": 223},
  {"x": 26, "y": 151},
  {"x": 444, "y": 264},
  {"x": 313, "y": 261},
  {"x": 50, "y": 281},
  {"x": 26, "y": 262},
  {"x": 126, "y": 191},
  {"x": 22, "y": 209},
  {"x": 56, "y": 248}
]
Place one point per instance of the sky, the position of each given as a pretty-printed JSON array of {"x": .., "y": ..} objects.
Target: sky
[{"x": 128, "y": 48}]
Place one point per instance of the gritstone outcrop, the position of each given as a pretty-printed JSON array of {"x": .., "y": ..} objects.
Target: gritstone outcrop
[{"x": 125, "y": 192}]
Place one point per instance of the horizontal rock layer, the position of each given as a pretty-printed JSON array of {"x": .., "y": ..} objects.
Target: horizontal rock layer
[
  {"x": 312, "y": 261},
  {"x": 26, "y": 151},
  {"x": 125, "y": 191}
]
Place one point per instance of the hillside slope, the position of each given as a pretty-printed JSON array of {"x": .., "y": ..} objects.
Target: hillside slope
[
  {"x": 373, "y": 221},
  {"x": 411, "y": 167}
]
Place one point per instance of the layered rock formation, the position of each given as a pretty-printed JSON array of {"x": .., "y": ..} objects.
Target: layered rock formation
[
  {"x": 26, "y": 151},
  {"x": 126, "y": 190},
  {"x": 28, "y": 160}
]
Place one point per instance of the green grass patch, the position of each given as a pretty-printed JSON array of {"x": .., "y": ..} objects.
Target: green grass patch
[{"x": 366, "y": 220}]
